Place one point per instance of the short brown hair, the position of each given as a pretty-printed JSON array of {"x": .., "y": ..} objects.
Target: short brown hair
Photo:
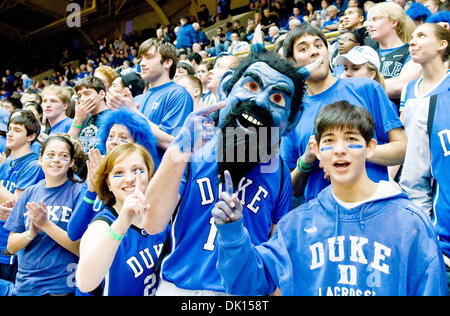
[
  {"x": 114, "y": 156},
  {"x": 165, "y": 49}
]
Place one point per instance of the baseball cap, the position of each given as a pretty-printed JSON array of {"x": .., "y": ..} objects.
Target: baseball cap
[
  {"x": 134, "y": 82},
  {"x": 4, "y": 120},
  {"x": 359, "y": 55}
]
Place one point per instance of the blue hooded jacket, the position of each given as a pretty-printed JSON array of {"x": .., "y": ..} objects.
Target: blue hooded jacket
[{"x": 385, "y": 247}]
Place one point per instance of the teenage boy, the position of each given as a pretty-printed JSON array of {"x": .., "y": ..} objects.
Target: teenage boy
[
  {"x": 304, "y": 45},
  {"x": 357, "y": 238},
  {"x": 91, "y": 92},
  {"x": 166, "y": 104},
  {"x": 55, "y": 102},
  {"x": 18, "y": 172}
]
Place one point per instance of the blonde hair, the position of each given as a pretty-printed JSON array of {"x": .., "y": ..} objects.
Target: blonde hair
[
  {"x": 62, "y": 93},
  {"x": 394, "y": 12},
  {"x": 378, "y": 77},
  {"x": 113, "y": 157},
  {"x": 108, "y": 72}
]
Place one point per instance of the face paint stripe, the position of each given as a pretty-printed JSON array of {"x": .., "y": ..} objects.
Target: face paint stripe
[
  {"x": 355, "y": 146},
  {"x": 326, "y": 148}
]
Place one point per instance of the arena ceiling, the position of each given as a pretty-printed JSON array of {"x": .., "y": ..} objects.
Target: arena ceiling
[{"x": 34, "y": 19}]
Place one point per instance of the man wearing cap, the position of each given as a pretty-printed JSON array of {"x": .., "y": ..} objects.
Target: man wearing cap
[{"x": 322, "y": 89}]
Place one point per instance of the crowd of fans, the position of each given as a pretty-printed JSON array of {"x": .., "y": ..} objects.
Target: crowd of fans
[{"x": 72, "y": 117}]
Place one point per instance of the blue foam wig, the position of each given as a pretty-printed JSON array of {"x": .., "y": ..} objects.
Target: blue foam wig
[
  {"x": 441, "y": 16},
  {"x": 138, "y": 127},
  {"x": 418, "y": 11}
]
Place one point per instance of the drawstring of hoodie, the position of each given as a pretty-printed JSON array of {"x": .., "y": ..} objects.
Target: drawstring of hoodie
[
  {"x": 362, "y": 225},
  {"x": 336, "y": 229}
]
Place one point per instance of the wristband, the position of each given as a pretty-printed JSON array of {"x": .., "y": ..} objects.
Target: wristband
[
  {"x": 302, "y": 166},
  {"x": 114, "y": 235},
  {"x": 88, "y": 200},
  {"x": 27, "y": 235},
  {"x": 75, "y": 125}
]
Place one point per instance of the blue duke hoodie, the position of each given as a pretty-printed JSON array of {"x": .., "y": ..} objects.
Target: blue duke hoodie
[{"x": 385, "y": 246}]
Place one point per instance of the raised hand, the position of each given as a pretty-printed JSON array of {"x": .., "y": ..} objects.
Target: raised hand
[
  {"x": 135, "y": 203},
  {"x": 92, "y": 164},
  {"x": 197, "y": 129},
  {"x": 229, "y": 208}
]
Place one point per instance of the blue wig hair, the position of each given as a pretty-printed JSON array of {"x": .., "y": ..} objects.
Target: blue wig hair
[
  {"x": 441, "y": 16},
  {"x": 138, "y": 127},
  {"x": 418, "y": 11}
]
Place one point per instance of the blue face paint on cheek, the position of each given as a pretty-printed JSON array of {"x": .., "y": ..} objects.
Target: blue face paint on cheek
[
  {"x": 355, "y": 146},
  {"x": 326, "y": 148}
]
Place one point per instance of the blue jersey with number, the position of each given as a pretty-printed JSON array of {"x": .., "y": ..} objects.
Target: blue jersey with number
[
  {"x": 361, "y": 91},
  {"x": 266, "y": 194},
  {"x": 440, "y": 165},
  {"x": 44, "y": 266},
  {"x": 18, "y": 173},
  {"x": 131, "y": 273}
]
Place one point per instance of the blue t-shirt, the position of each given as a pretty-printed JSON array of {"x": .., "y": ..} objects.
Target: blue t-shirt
[
  {"x": 19, "y": 173},
  {"x": 62, "y": 127},
  {"x": 167, "y": 106},
  {"x": 266, "y": 195},
  {"x": 45, "y": 267},
  {"x": 362, "y": 91},
  {"x": 131, "y": 272}
]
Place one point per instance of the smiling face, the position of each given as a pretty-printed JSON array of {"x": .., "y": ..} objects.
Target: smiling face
[
  {"x": 56, "y": 160},
  {"x": 122, "y": 178}
]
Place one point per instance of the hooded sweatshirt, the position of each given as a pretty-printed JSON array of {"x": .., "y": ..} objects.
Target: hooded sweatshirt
[{"x": 383, "y": 246}]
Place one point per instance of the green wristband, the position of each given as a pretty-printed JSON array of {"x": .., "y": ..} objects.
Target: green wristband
[
  {"x": 114, "y": 235},
  {"x": 302, "y": 166},
  {"x": 75, "y": 125},
  {"x": 88, "y": 200}
]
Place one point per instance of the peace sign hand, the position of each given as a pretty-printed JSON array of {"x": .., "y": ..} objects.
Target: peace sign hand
[{"x": 229, "y": 208}]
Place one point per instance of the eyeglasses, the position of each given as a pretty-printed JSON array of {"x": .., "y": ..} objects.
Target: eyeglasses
[{"x": 346, "y": 39}]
